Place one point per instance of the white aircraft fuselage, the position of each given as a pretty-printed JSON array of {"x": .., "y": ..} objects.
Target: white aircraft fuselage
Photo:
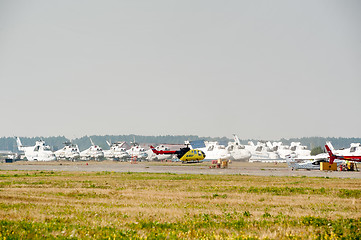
[
  {"x": 308, "y": 162},
  {"x": 116, "y": 151},
  {"x": 39, "y": 152},
  {"x": 69, "y": 152},
  {"x": 237, "y": 151},
  {"x": 261, "y": 151},
  {"x": 137, "y": 152},
  {"x": 94, "y": 152}
]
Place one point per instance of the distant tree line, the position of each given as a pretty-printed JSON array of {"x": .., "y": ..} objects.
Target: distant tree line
[{"x": 9, "y": 143}]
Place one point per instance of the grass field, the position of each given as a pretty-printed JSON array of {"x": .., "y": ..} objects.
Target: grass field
[{"x": 108, "y": 205}]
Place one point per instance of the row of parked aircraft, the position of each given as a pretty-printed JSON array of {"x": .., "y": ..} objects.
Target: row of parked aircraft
[
  {"x": 117, "y": 151},
  {"x": 122, "y": 151},
  {"x": 233, "y": 151}
]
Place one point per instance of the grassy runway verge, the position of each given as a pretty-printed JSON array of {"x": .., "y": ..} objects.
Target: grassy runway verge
[{"x": 108, "y": 205}]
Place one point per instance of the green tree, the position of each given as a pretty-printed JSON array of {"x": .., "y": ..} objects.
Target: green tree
[{"x": 317, "y": 150}]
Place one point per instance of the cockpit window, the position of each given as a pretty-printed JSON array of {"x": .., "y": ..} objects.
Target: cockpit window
[{"x": 353, "y": 149}]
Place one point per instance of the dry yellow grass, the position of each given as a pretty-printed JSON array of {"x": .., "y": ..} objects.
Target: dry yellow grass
[{"x": 97, "y": 205}]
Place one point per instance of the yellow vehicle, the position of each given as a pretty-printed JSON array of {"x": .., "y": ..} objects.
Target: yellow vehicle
[{"x": 186, "y": 155}]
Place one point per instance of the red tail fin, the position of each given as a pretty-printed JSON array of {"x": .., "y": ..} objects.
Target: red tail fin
[
  {"x": 332, "y": 156},
  {"x": 153, "y": 149}
]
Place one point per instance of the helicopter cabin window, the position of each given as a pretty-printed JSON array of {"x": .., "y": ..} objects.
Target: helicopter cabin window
[
  {"x": 230, "y": 148},
  {"x": 353, "y": 149},
  {"x": 36, "y": 148},
  {"x": 259, "y": 149},
  {"x": 293, "y": 148},
  {"x": 210, "y": 148}
]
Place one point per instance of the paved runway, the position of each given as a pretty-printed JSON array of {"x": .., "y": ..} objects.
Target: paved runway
[{"x": 256, "y": 169}]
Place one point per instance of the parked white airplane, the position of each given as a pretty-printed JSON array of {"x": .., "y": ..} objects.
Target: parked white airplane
[
  {"x": 299, "y": 149},
  {"x": 117, "y": 151},
  {"x": 281, "y": 150},
  {"x": 212, "y": 150},
  {"x": 154, "y": 157},
  {"x": 312, "y": 163},
  {"x": 261, "y": 151},
  {"x": 137, "y": 152},
  {"x": 69, "y": 151},
  {"x": 39, "y": 152},
  {"x": 237, "y": 150},
  {"x": 94, "y": 152},
  {"x": 353, "y": 150}
]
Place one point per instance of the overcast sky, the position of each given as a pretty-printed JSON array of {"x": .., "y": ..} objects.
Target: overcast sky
[{"x": 260, "y": 69}]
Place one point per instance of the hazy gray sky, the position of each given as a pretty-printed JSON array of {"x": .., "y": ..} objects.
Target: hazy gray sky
[{"x": 261, "y": 69}]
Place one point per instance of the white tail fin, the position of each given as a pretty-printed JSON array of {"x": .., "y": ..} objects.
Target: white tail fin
[
  {"x": 236, "y": 139},
  {"x": 20, "y": 146},
  {"x": 250, "y": 143},
  {"x": 290, "y": 161},
  {"x": 109, "y": 143},
  {"x": 269, "y": 145},
  {"x": 330, "y": 146},
  {"x": 91, "y": 141}
]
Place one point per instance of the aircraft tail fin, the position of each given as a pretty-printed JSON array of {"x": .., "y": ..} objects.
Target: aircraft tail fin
[
  {"x": 109, "y": 143},
  {"x": 330, "y": 146},
  {"x": 269, "y": 145},
  {"x": 291, "y": 162},
  {"x": 92, "y": 142},
  {"x": 236, "y": 139},
  {"x": 329, "y": 151},
  {"x": 154, "y": 150},
  {"x": 19, "y": 144},
  {"x": 289, "y": 159}
]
